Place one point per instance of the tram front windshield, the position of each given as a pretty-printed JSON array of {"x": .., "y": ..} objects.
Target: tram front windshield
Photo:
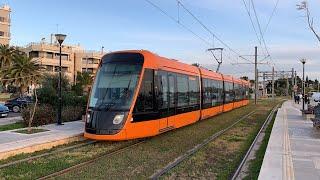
[{"x": 115, "y": 85}]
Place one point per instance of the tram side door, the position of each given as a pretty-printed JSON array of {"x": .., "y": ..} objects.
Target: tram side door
[
  {"x": 163, "y": 102},
  {"x": 172, "y": 99}
]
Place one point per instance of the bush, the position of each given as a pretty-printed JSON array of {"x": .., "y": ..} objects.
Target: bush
[
  {"x": 71, "y": 113},
  {"x": 44, "y": 115},
  {"x": 47, "y": 95}
]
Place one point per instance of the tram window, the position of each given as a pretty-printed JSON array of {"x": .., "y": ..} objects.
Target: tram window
[
  {"x": 182, "y": 89},
  {"x": 172, "y": 93},
  {"x": 206, "y": 94},
  {"x": 237, "y": 91},
  {"x": 220, "y": 89},
  {"x": 229, "y": 92},
  {"x": 194, "y": 93},
  {"x": 163, "y": 96},
  {"x": 212, "y": 93},
  {"x": 215, "y": 93},
  {"x": 145, "y": 100}
]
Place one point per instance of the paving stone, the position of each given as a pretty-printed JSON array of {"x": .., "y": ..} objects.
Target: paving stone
[
  {"x": 11, "y": 141},
  {"x": 293, "y": 148}
]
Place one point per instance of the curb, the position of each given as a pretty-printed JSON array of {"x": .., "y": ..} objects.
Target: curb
[{"x": 42, "y": 146}]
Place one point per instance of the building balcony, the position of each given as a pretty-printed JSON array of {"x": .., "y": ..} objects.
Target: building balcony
[
  {"x": 94, "y": 66},
  {"x": 53, "y": 62}
]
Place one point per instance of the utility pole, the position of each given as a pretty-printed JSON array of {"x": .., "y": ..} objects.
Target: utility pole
[
  {"x": 264, "y": 85},
  {"x": 273, "y": 82},
  {"x": 292, "y": 83},
  {"x": 256, "y": 74},
  {"x": 295, "y": 78},
  {"x": 287, "y": 91}
]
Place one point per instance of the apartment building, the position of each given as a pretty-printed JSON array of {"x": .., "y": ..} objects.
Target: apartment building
[
  {"x": 5, "y": 24},
  {"x": 74, "y": 59}
]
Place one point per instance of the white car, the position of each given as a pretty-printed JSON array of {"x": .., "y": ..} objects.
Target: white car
[{"x": 315, "y": 99}]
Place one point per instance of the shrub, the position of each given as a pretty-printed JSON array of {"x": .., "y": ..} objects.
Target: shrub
[
  {"x": 44, "y": 115},
  {"x": 71, "y": 113},
  {"x": 47, "y": 95}
]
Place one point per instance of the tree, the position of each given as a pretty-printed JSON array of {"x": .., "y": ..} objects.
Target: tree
[
  {"x": 23, "y": 73},
  {"x": 244, "y": 78},
  {"x": 196, "y": 64},
  {"x": 305, "y": 7},
  {"x": 7, "y": 54},
  {"x": 52, "y": 81},
  {"x": 85, "y": 80}
]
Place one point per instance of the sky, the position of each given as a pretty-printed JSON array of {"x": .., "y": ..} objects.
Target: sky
[{"x": 136, "y": 24}]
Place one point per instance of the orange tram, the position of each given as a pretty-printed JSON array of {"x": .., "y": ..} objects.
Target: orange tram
[{"x": 139, "y": 94}]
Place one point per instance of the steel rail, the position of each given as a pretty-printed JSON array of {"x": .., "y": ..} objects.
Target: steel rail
[
  {"x": 195, "y": 149},
  {"x": 245, "y": 158},
  {"x": 46, "y": 154},
  {"x": 109, "y": 153}
]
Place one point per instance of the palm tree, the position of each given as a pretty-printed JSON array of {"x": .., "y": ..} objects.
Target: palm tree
[
  {"x": 7, "y": 54},
  {"x": 85, "y": 79},
  {"x": 23, "y": 73}
]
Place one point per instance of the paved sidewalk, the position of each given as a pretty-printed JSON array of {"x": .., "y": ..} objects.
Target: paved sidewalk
[
  {"x": 10, "y": 120},
  {"x": 12, "y": 143},
  {"x": 293, "y": 150}
]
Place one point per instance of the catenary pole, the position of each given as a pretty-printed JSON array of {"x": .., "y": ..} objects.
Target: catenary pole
[{"x": 256, "y": 74}]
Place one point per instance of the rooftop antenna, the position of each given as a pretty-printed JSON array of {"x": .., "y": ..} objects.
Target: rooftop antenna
[{"x": 218, "y": 59}]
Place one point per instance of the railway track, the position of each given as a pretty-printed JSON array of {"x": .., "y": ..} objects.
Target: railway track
[
  {"x": 106, "y": 154},
  {"x": 195, "y": 149},
  {"x": 89, "y": 142},
  {"x": 245, "y": 158}
]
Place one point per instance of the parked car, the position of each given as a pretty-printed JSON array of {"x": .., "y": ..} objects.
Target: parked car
[
  {"x": 315, "y": 98},
  {"x": 16, "y": 104},
  {"x": 4, "y": 110}
]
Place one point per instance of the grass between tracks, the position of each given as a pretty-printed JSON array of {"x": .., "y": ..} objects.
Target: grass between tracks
[
  {"x": 140, "y": 161},
  {"x": 255, "y": 164},
  {"x": 220, "y": 158}
]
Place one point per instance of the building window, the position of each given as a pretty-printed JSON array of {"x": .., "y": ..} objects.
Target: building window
[
  {"x": 2, "y": 33},
  {"x": 49, "y": 68},
  {"x": 63, "y": 56},
  {"x": 34, "y": 54},
  {"x": 49, "y": 55},
  {"x": 89, "y": 70},
  {"x": 63, "y": 69},
  {"x": 2, "y": 19}
]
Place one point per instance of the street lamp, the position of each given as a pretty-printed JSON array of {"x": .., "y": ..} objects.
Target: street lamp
[
  {"x": 303, "y": 61},
  {"x": 60, "y": 38}
]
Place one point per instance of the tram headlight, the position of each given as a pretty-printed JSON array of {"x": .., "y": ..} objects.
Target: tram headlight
[
  {"x": 88, "y": 117},
  {"x": 118, "y": 119}
]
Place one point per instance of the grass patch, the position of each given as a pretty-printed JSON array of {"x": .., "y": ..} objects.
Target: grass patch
[
  {"x": 34, "y": 169},
  {"x": 220, "y": 158},
  {"x": 255, "y": 164},
  {"x": 33, "y": 131},
  {"x": 8, "y": 127}
]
